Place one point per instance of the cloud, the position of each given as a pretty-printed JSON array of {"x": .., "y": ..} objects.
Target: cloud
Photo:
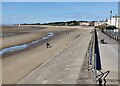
[
  {"x": 3, "y": 18},
  {"x": 29, "y": 17},
  {"x": 8, "y": 17},
  {"x": 83, "y": 16},
  {"x": 14, "y": 17}
]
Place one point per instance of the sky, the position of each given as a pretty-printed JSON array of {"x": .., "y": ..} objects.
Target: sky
[
  {"x": 60, "y": 0},
  {"x": 43, "y": 12}
]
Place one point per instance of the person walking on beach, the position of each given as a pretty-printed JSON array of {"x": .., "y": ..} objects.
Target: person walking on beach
[
  {"x": 48, "y": 45},
  {"x": 67, "y": 32}
]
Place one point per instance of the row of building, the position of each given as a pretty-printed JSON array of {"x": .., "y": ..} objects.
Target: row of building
[
  {"x": 86, "y": 23},
  {"x": 114, "y": 21}
]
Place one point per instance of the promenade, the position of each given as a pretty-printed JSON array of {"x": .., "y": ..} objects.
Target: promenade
[
  {"x": 64, "y": 68},
  {"x": 109, "y": 57}
]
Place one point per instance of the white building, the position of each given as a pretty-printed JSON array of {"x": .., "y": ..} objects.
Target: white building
[
  {"x": 100, "y": 23},
  {"x": 115, "y": 20},
  {"x": 84, "y": 23}
]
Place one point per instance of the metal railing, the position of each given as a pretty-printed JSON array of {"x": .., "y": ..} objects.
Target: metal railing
[
  {"x": 94, "y": 60},
  {"x": 115, "y": 34}
]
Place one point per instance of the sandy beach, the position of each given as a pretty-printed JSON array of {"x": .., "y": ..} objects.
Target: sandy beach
[
  {"x": 24, "y": 35},
  {"x": 18, "y": 65}
]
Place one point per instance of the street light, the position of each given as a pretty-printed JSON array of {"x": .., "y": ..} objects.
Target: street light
[
  {"x": 110, "y": 16},
  {"x": 115, "y": 25},
  {"x": 110, "y": 21}
]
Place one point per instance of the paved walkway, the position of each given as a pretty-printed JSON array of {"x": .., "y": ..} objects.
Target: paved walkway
[
  {"x": 109, "y": 57},
  {"x": 64, "y": 68}
]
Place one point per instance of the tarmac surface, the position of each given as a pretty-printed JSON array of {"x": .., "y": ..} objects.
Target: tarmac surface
[
  {"x": 109, "y": 57},
  {"x": 64, "y": 68}
]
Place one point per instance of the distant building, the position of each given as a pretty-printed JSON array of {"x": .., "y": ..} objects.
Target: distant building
[
  {"x": 86, "y": 23},
  {"x": 92, "y": 23},
  {"x": 99, "y": 23},
  {"x": 115, "y": 20},
  {"x": 19, "y": 25},
  {"x": 83, "y": 23}
]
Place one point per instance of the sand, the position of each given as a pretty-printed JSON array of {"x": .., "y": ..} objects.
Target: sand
[
  {"x": 25, "y": 34},
  {"x": 17, "y": 66},
  {"x": 0, "y": 71}
]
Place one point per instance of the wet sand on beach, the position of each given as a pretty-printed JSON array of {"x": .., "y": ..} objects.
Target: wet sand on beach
[
  {"x": 17, "y": 66},
  {"x": 25, "y": 34}
]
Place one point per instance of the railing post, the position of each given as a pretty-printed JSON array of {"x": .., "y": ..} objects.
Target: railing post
[{"x": 95, "y": 67}]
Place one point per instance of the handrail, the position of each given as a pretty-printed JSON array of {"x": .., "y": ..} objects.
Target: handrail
[{"x": 94, "y": 61}]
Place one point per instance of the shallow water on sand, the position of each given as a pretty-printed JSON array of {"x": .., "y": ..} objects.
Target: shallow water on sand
[{"x": 23, "y": 46}]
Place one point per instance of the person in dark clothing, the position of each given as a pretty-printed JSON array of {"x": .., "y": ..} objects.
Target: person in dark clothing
[{"x": 48, "y": 45}]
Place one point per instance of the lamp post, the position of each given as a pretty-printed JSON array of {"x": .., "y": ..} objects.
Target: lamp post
[
  {"x": 115, "y": 26},
  {"x": 118, "y": 28},
  {"x": 110, "y": 16},
  {"x": 110, "y": 21}
]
